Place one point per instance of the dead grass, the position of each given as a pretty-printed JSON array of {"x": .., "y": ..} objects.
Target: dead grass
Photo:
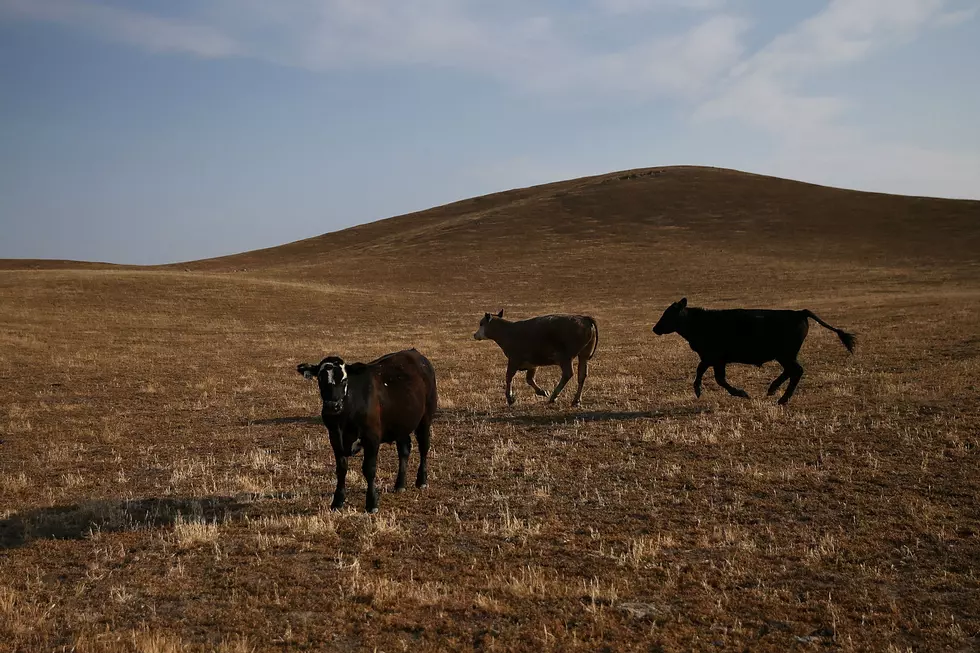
[
  {"x": 191, "y": 532},
  {"x": 167, "y": 485}
]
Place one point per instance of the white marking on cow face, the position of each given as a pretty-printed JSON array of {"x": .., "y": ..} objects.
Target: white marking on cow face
[
  {"x": 336, "y": 374},
  {"x": 333, "y": 385}
]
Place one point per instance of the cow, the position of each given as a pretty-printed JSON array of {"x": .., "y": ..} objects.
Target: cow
[
  {"x": 754, "y": 337},
  {"x": 368, "y": 404},
  {"x": 540, "y": 341}
]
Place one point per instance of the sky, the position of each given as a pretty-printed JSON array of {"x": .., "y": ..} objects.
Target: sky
[{"x": 153, "y": 131}]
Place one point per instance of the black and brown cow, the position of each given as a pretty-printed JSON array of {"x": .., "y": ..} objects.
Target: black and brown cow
[
  {"x": 368, "y": 404},
  {"x": 541, "y": 341},
  {"x": 751, "y": 336}
]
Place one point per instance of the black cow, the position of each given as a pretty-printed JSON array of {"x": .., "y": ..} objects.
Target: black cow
[
  {"x": 754, "y": 337},
  {"x": 367, "y": 404},
  {"x": 546, "y": 340}
]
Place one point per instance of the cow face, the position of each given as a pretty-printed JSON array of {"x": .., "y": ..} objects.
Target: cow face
[
  {"x": 672, "y": 318},
  {"x": 331, "y": 376},
  {"x": 481, "y": 333}
]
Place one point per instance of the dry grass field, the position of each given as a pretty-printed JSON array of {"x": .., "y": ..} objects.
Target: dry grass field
[{"x": 165, "y": 482}]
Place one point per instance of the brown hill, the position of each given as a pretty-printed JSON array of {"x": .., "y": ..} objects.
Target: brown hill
[
  {"x": 54, "y": 264},
  {"x": 654, "y": 207},
  {"x": 632, "y": 215}
]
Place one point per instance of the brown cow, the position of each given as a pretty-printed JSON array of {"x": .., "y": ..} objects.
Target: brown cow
[
  {"x": 542, "y": 341},
  {"x": 368, "y": 404}
]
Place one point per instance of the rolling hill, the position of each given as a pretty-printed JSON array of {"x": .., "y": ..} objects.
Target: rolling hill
[
  {"x": 716, "y": 208},
  {"x": 165, "y": 482}
]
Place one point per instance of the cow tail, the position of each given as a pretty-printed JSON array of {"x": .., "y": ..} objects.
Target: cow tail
[
  {"x": 847, "y": 338},
  {"x": 596, "y": 345}
]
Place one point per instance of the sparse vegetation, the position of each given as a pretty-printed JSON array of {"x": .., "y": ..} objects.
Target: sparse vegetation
[{"x": 165, "y": 482}]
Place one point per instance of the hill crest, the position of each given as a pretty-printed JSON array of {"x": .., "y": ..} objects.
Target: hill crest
[{"x": 690, "y": 205}]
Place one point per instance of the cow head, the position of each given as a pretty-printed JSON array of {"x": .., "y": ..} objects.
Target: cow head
[
  {"x": 672, "y": 319},
  {"x": 331, "y": 376},
  {"x": 481, "y": 333}
]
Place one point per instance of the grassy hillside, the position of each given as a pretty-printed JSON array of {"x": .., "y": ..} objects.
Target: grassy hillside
[
  {"x": 710, "y": 206},
  {"x": 165, "y": 483}
]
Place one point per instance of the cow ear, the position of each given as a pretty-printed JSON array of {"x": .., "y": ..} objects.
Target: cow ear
[
  {"x": 682, "y": 303},
  {"x": 501, "y": 313},
  {"x": 308, "y": 370}
]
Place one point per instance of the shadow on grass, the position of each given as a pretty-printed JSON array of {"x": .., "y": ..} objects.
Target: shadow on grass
[
  {"x": 279, "y": 421},
  {"x": 546, "y": 419},
  {"x": 79, "y": 521},
  {"x": 529, "y": 419}
]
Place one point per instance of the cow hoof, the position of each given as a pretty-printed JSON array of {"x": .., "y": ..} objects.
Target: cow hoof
[
  {"x": 336, "y": 506},
  {"x": 697, "y": 392},
  {"x": 399, "y": 490},
  {"x": 371, "y": 511},
  {"x": 743, "y": 394},
  {"x": 576, "y": 404},
  {"x": 541, "y": 393},
  {"x": 422, "y": 486},
  {"x": 510, "y": 401}
]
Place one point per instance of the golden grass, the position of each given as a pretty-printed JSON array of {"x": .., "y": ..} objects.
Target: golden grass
[
  {"x": 165, "y": 484},
  {"x": 192, "y": 532}
]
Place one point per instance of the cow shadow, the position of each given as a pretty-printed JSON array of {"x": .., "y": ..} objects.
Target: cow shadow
[
  {"x": 559, "y": 418},
  {"x": 79, "y": 521},
  {"x": 528, "y": 419},
  {"x": 280, "y": 421}
]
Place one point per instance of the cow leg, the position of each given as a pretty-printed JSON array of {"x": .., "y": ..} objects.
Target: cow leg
[
  {"x": 566, "y": 376},
  {"x": 702, "y": 368},
  {"x": 404, "y": 451},
  {"x": 508, "y": 392},
  {"x": 795, "y": 371},
  {"x": 340, "y": 492},
  {"x": 720, "y": 378},
  {"x": 781, "y": 379},
  {"x": 583, "y": 373},
  {"x": 530, "y": 381},
  {"x": 370, "y": 469},
  {"x": 423, "y": 433}
]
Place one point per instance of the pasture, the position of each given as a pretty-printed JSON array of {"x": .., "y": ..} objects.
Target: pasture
[{"x": 165, "y": 481}]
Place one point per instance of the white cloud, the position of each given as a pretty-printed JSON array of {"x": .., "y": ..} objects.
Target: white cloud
[
  {"x": 813, "y": 138},
  {"x": 131, "y": 27},
  {"x": 511, "y": 42},
  {"x": 955, "y": 17},
  {"x": 639, "y": 6},
  {"x": 764, "y": 89},
  {"x": 526, "y": 50},
  {"x": 694, "y": 53},
  {"x": 846, "y": 31},
  {"x": 682, "y": 65},
  {"x": 857, "y": 162}
]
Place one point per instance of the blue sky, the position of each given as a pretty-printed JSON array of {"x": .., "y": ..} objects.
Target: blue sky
[{"x": 152, "y": 131}]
